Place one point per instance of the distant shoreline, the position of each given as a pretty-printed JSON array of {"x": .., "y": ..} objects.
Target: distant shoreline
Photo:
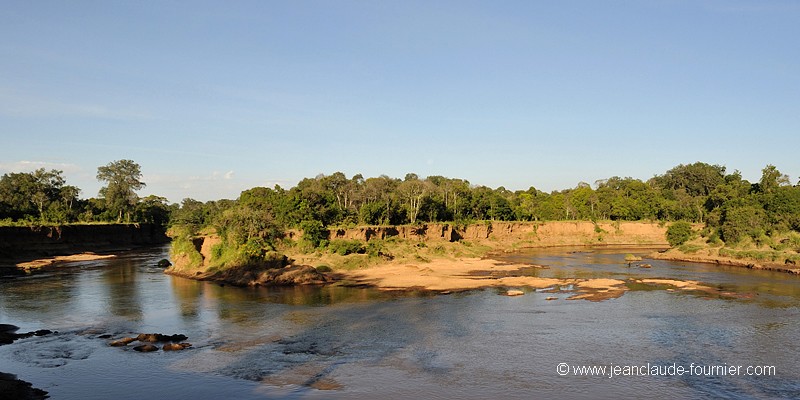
[
  {"x": 677, "y": 255},
  {"x": 28, "y": 249}
]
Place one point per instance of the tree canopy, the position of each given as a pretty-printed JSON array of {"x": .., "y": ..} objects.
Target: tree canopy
[
  {"x": 700, "y": 193},
  {"x": 123, "y": 179}
]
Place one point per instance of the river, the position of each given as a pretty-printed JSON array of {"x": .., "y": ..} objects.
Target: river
[{"x": 335, "y": 342}]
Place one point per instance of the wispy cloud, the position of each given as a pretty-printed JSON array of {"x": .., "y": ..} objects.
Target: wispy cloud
[
  {"x": 28, "y": 166},
  {"x": 23, "y": 105}
]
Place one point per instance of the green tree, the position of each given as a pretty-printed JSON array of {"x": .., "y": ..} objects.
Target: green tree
[
  {"x": 123, "y": 179},
  {"x": 679, "y": 233},
  {"x": 698, "y": 179},
  {"x": 412, "y": 191},
  {"x": 740, "y": 221},
  {"x": 314, "y": 232},
  {"x": 38, "y": 194},
  {"x": 771, "y": 179},
  {"x": 153, "y": 210}
]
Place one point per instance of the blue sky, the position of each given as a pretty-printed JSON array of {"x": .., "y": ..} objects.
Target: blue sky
[{"x": 212, "y": 98}]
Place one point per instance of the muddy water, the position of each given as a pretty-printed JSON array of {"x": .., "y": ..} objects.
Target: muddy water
[{"x": 361, "y": 343}]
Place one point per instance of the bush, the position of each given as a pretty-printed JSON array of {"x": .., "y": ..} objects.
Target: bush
[
  {"x": 345, "y": 247},
  {"x": 714, "y": 239},
  {"x": 679, "y": 233},
  {"x": 376, "y": 248},
  {"x": 313, "y": 232},
  {"x": 741, "y": 222},
  {"x": 323, "y": 268},
  {"x": 254, "y": 249},
  {"x": 216, "y": 251}
]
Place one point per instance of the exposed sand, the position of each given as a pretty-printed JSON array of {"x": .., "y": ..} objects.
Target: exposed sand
[
  {"x": 472, "y": 273},
  {"x": 44, "y": 262},
  {"x": 446, "y": 274}
]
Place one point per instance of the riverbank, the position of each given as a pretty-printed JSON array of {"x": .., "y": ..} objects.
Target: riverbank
[
  {"x": 438, "y": 258},
  {"x": 712, "y": 256},
  {"x": 27, "y": 249}
]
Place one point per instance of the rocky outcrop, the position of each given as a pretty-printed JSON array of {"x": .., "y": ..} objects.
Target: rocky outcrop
[
  {"x": 8, "y": 333},
  {"x": 13, "y": 388},
  {"x": 10, "y": 386}
]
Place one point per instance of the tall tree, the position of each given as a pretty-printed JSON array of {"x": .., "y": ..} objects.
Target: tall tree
[
  {"x": 771, "y": 179},
  {"x": 123, "y": 179},
  {"x": 413, "y": 190}
]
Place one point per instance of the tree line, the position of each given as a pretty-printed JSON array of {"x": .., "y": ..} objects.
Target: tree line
[
  {"x": 43, "y": 197},
  {"x": 731, "y": 206},
  {"x": 701, "y": 193}
]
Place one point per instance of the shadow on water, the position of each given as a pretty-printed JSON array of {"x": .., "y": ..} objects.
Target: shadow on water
[{"x": 122, "y": 286}]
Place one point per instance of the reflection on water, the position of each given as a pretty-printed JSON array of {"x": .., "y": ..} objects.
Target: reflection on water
[{"x": 334, "y": 342}]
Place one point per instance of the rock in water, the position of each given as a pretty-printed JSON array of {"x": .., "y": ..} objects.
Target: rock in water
[
  {"x": 122, "y": 342},
  {"x": 158, "y": 337},
  {"x": 176, "y": 346},
  {"x": 164, "y": 263},
  {"x": 514, "y": 292},
  {"x": 146, "y": 348}
]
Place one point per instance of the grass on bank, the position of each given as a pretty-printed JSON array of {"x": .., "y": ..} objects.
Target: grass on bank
[
  {"x": 342, "y": 254},
  {"x": 775, "y": 247}
]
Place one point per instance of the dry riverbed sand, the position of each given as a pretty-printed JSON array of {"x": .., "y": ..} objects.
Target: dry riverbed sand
[
  {"x": 446, "y": 275},
  {"x": 44, "y": 262}
]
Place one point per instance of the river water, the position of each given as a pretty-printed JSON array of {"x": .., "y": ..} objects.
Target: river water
[{"x": 333, "y": 342}]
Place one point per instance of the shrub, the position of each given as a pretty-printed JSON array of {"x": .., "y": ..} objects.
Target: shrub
[
  {"x": 741, "y": 222},
  {"x": 254, "y": 249},
  {"x": 679, "y": 233},
  {"x": 216, "y": 251},
  {"x": 323, "y": 268},
  {"x": 376, "y": 248},
  {"x": 313, "y": 232},
  {"x": 713, "y": 239},
  {"x": 345, "y": 247}
]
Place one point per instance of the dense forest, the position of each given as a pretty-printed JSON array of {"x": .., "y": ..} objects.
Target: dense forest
[{"x": 729, "y": 205}]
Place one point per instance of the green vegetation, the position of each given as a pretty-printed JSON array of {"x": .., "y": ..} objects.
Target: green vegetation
[
  {"x": 122, "y": 181},
  {"x": 679, "y": 233},
  {"x": 182, "y": 246},
  {"x": 736, "y": 213},
  {"x": 42, "y": 197},
  {"x": 733, "y": 210}
]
